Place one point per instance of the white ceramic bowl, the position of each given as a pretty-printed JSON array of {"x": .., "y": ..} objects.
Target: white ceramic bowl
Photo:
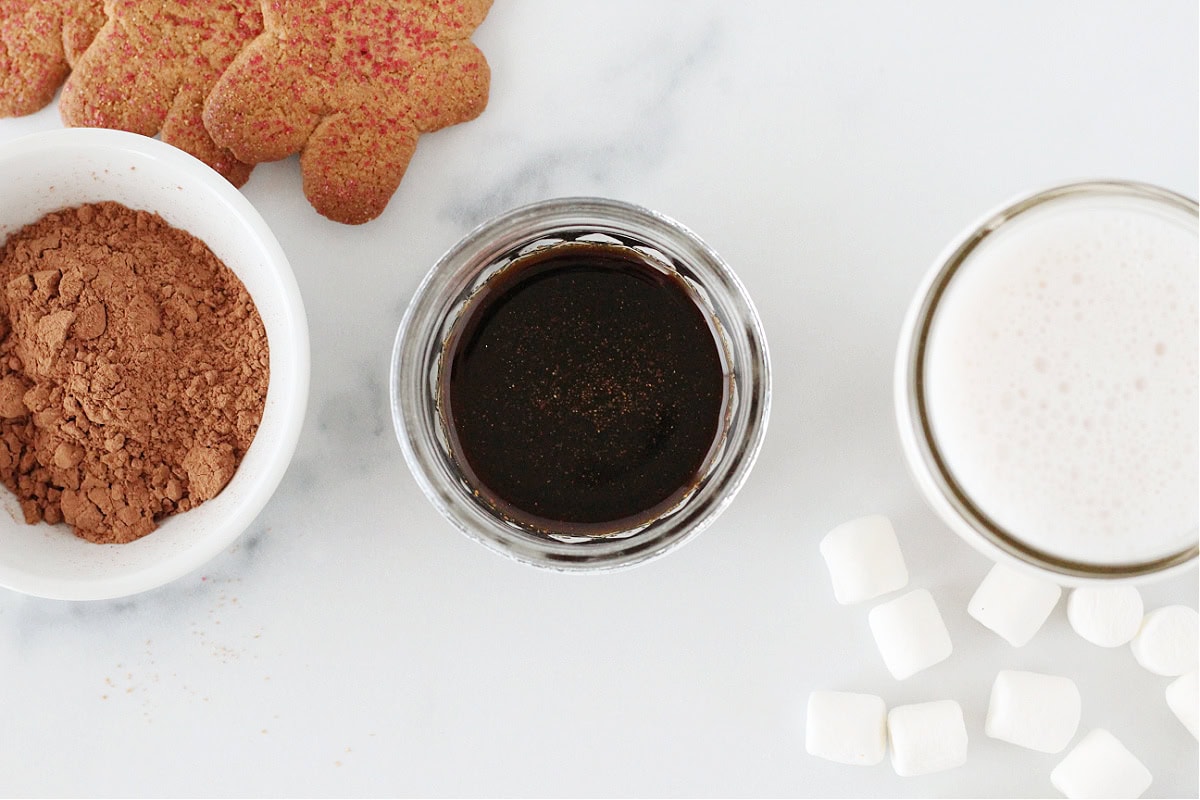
[{"x": 48, "y": 171}]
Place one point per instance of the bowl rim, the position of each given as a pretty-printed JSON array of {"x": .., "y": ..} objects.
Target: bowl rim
[{"x": 293, "y": 325}]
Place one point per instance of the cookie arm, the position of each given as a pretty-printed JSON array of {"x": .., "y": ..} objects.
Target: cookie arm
[
  {"x": 455, "y": 19},
  {"x": 451, "y": 85},
  {"x": 111, "y": 87},
  {"x": 32, "y": 65},
  {"x": 82, "y": 20}
]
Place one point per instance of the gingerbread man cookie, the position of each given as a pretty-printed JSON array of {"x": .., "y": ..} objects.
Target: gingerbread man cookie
[
  {"x": 350, "y": 85},
  {"x": 151, "y": 66},
  {"x": 39, "y": 40}
]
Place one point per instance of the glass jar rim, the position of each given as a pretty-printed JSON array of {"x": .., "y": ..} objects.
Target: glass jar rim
[
  {"x": 925, "y": 461},
  {"x": 485, "y": 251}
]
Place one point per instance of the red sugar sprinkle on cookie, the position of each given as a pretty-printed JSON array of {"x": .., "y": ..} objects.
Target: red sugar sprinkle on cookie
[
  {"x": 39, "y": 40},
  {"x": 350, "y": 85},
  {"x": 150, "y": 69}
]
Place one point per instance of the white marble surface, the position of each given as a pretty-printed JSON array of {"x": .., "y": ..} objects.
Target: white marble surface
[{"x": 352, "y": 642}]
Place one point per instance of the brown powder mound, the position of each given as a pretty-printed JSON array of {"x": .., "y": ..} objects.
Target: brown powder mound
[{"x": 133, "y": 371}]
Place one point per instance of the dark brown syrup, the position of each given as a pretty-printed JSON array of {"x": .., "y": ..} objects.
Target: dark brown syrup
[{"x": 583, "y": 391}]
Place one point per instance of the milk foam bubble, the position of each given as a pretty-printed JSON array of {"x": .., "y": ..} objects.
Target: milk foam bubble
[{"x": 1061, "y": 379}]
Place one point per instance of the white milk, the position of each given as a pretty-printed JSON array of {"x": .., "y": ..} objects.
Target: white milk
[{"x": 1061, "y": 379}]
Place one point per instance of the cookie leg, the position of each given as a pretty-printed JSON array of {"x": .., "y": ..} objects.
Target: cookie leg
[
  {"x": 184, "y": 129},
  {"x": 257, "y": 108},
  {"x": 351, "y": 168}
]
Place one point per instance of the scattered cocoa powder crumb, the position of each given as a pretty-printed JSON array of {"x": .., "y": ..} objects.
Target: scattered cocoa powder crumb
[{"x": 133, "y": 371}]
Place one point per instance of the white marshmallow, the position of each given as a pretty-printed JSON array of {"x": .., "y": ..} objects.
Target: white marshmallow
[
  {"x": 846, "y": 727},
  {"x": 1033, "y": 710},
  {"x": 1168, "y": 643},
  {"x": 1183, "y": 697},
  {"x": 1108, "y": 616},
  {"x": 1013, "y": 604},
  {"x": 1100, "y": 766},
  {"x": 927, "y": 737},
  {"x": 864, "y": 559},
  {"x": 910, "y": 633}
]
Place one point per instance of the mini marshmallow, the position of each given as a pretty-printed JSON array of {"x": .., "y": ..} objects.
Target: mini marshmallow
[
  {"x": 1100, "y": 766},
  {"x": 910, "y": 633},
  {"x": 1168, "y": 643},
  {"x": 846, "y": 727},
  {"x": 1183, "y": 698},
  {"x": 927, "y": 737},
  {"x": 1108, "y": 616},
  {"x": 864, "y": 559},
  {"x": 1013, "y": 604},
  {"x": 1032, "y": 710}
]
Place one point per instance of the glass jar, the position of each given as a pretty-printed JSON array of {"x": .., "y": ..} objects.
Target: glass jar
[
  {"x": 419, "y": 352},
  {"x": 1045, "y": 383}
]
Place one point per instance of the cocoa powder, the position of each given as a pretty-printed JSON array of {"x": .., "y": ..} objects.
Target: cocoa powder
[{"x": 133, "y": 371}]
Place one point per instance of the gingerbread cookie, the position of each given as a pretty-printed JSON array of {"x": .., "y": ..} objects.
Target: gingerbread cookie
[
  {"x": 350, "y": 85},
  {"x": 39, "y": 40},
  {"x": 151, "y": 66}
]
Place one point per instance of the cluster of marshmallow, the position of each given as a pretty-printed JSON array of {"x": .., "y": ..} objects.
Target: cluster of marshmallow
[
  {"x": 853, "y": 728},
  {"x": 1028, "y": 709},
  {"x": 1165, "y": 641},
  {"x": 865, "y": 563}
]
